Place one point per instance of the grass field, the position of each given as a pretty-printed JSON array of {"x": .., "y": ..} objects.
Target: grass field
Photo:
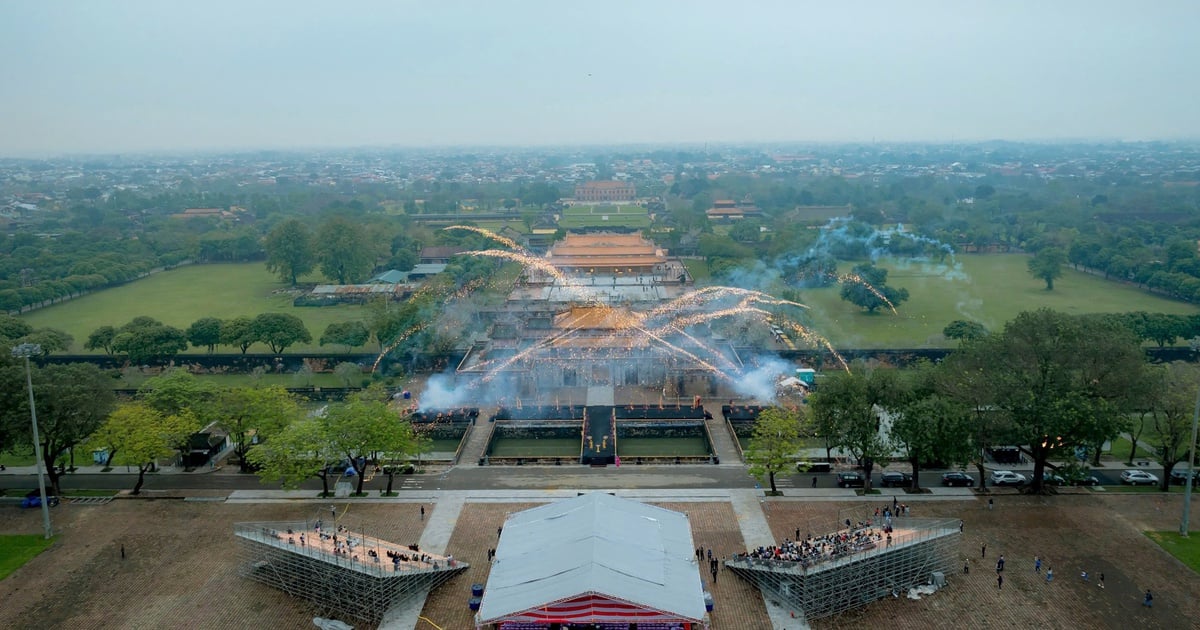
[
  {"x": 601, "y": 216},
  {"x": 991, "y": 289},
  {"x": 1186, "y": 550},
  {"x": 181, "y": 296},
  {"x": 18, "y": 549}
]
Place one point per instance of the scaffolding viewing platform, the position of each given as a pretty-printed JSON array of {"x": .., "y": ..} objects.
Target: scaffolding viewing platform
[
  {"x": 341, "y": 570},
  {"x": 824, "y": 584}
]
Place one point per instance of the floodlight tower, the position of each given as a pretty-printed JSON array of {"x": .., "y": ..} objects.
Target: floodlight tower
[{"x": 26, "y": 350}]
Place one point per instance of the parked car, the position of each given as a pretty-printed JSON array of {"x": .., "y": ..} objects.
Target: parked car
[
  {"x": 1007, "y": 478},
  {"x": 34, "y": 499},
  {"x": 957, "y": 479},
  {"x": 851, "y": 479},
  {"x": 813, "y": 467},
  {"x": 1053, "y": 479},
  {"x": 1083, "y": 480},
  {"x": 1138, "y": 478},
  {"x": 895, "y": 479},
  {"x": 1179, "y": 476}
]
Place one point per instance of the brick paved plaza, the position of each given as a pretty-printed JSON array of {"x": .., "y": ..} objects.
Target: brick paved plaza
[{"x": 180, "y": 569}]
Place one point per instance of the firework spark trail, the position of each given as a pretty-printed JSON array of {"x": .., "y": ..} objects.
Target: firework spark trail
[
  {"x": 541, "y": 344},
  {"x": 528, "y": 261},
  {"x": 701, "y": 297},
  {"x": 392, "y": 346},
  {"x": 705, "y": 364},
  {"x": 503, "y": 240},
  {"x": 858, "y": 279},
  {"x": 707, "y": 348},
  {"x": 815, "y": 339},
  {"x": 700, "y": 318}
]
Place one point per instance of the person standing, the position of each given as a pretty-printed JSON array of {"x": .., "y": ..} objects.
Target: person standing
[
  {"x": 1037, "y": 564},
  {"x": 1049, "y": 574},
  {"x": 814, "y": 482},
  {"x": 983, "y": 551},
  {"x": 1100, "y": 583},
  {"x": 422, "y": 512},
  {"x": 990, "y": 503},
  {"x": 1000, "y": 581},
  {"x": 1000, "y": 564},
  {"x": 960, "y": 526},
  {"x": 122, "y": 552},
  {"x": 1148, "y": 601}
]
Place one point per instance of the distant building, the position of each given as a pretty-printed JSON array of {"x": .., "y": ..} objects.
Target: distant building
[
  {"x": 730, "y": 210},
  {"x": 605, "y": 192},
  {"x": 439, "y": 255}
]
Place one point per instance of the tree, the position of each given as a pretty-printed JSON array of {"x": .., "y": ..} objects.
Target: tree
[
  {"x": 177, "y": 390},
  {"x": 1173, "y": 415},
  {"x": 849, "y": 403},
  {"x": 249, "y": 415},
  {"x": 365, "y": 425},
  {"x": 349, "y": 334},
  {"x": 205, "y": 332},
  {"x": 101, "y": 339},
  {"x": 145, "y": 340},
  {"x": 1059, "y": 379},
  {"x": 12, "y": 329},
  {"x": 344, "y": 251},
  {"x": 50, "y": 339},
  {"x": 349, "y": 373},
  {"x": 238, "y": 332},
  {"x": 867, "y": 288},
  {"x": 926, "y": 425},
  {"x": 775, "y": 442},
  {"x": 72, "y": 402},
  {"x": 140, "y": 435},
  {"x": 296, "y": 453},
  {"x": 1047, "y": 265},
  {"x": 962, "y": 329},
  {"x": 279, "y": 330},
  {"x": 290, "y": 251}
]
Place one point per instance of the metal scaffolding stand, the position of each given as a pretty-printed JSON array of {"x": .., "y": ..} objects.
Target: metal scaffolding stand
[
  {"x": 360, "y": 588},
  {"x": 921, "y": 549}
]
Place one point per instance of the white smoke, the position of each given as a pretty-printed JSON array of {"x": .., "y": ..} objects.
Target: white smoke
[
  {"x": 758, "y": 380},
  {"x": 440, "y": 393}
]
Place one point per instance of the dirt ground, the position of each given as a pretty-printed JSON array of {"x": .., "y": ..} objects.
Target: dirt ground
[{"x": 180, "y": 570}]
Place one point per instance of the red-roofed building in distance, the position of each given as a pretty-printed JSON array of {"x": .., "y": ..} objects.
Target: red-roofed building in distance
[{"x": 605, "y": 192}]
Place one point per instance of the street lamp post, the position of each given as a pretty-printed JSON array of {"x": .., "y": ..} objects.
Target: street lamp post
[
  {"x": 26, "y": 350},
  {"x": 1191, "y": 479}
]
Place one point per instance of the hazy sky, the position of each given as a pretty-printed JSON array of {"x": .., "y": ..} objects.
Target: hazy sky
[{"x": 111, "y": 76}]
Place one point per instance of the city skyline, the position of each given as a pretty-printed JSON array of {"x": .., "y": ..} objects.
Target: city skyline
[{"x": 122, "y": 77}]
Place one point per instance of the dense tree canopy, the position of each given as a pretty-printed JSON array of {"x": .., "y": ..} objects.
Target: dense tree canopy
[
  {"x": 867, "y": 287},
  {"x": 1059, "y": 379}
]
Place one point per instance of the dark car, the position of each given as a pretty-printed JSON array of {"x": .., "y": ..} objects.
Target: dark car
[
  {"x": 850, "y": 479},
  {"x": 1180, "y": 475},
  {"x": 958, "y": 479},
  {"x": 895, "y": 479},
  {"x": 1084, "y": 480},
  {"x": 1053, "y": 479}
]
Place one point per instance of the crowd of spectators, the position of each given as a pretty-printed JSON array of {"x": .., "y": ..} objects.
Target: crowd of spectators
[{"x": 817, "y": 549}]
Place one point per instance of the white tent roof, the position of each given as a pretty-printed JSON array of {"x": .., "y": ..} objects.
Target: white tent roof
[{"x": 595, "y": 543}]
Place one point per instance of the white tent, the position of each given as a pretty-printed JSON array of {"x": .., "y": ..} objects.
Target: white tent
[{"x": 594, "y": 558}]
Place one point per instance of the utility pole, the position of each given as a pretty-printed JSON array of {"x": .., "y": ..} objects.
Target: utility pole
[
  {"x": 26, "y": 350},
  {"x": 1191, "y": 479}
]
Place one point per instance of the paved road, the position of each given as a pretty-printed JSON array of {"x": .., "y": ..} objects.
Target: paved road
[{"x": 502, "y": 478}]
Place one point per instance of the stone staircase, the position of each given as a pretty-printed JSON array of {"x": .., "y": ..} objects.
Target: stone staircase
[
  {"x": 476, "y": 444},
  {"x": 722, "y": 440}
]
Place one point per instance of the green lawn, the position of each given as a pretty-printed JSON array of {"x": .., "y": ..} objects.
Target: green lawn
[
  {"x": 1121, "y": 446},
  {"x": 989, "y": 288},
  {"x": 20, "y": 456},
  {"x": 1186, "y": 550},
  {"x": 181, "y": 296},
  {"x": 323, "y": 379},
  {"x": 605, "y": 215},
  {"x": 698, "y": 270},
  {"x": 16, "y": 550}
]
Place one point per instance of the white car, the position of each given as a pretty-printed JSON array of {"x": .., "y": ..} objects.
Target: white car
[
  {"x": 1007, "y": 478},
  {"x": 1138, "y": 477}
]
